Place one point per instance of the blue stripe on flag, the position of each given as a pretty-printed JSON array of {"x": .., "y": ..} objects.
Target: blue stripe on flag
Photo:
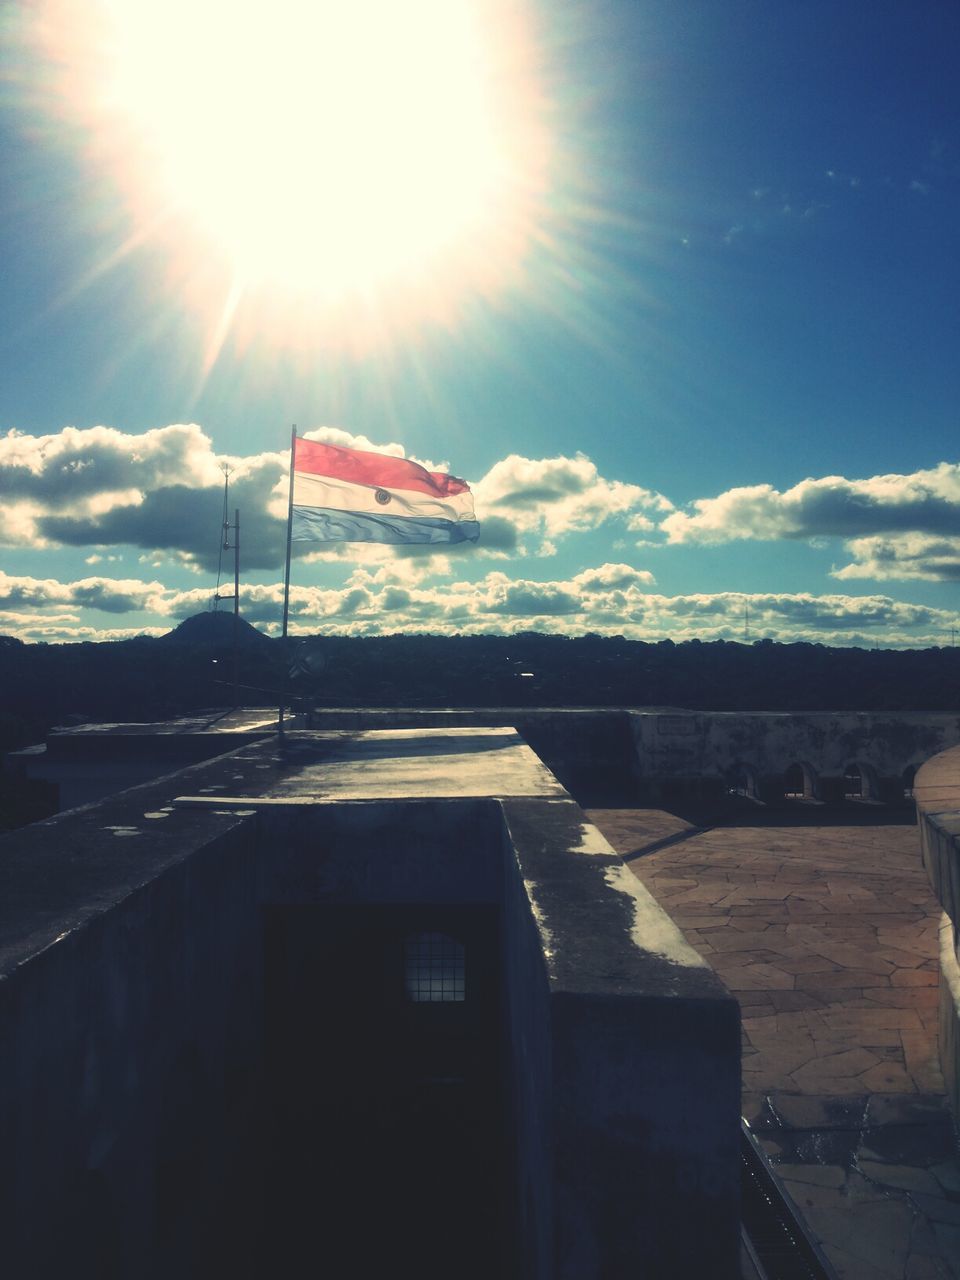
[{"x": 323, "y": 524}]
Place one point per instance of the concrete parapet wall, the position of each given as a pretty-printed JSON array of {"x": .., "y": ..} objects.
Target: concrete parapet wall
[
  {"x": 602, "y": 755},
  {"x": 697, "y": 744},
  {"x": 937, "y": 794},
  {"x": 133, "y": 1010},
  {"x": 645, "y": 1052},
  {"x": 635, "y": 752}
]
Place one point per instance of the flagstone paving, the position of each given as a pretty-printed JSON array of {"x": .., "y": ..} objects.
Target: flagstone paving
[{"x": 828, "y": 938}]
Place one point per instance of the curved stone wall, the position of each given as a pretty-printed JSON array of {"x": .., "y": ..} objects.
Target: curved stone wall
[{"x": 937, "y": 793}]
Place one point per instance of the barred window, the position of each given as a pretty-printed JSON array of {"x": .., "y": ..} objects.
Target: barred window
[{"x": 433, "y": 968}]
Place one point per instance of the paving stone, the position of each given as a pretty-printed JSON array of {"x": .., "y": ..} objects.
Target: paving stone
[
  {"x": 860, "y": 1020},
  {"x": 948, "y": 1238},
  {"x": 927, "y": 1075},
  {"x": 800, "y": 1021},
  {"x": 851, "y": 978},
  {"x": 807, "y": 964},
  {"x": 849, "y": 997},
  {"x": 834, "y": 1176},
  {"x": 811, "y": 1112},
  {"x": 756, "y": 977},
  {"x": 920, "y": 1145},
  {"x": 903, "y": 1176},
  {"x": 875, "y": 1234},
  {"x": 832, "y": 941},
  {"x": 806, "y": 1195},
  {"x": 794, "y": 1001},
  {"x": 909, "y": 1110},
  {"x": 914, "y": 978},
  {"x": 813, "y": 1076},
  {"x": 848, "y": 1062},
  {"x": 922, "y": 1266},
  {"x": 922, "y": 1064},
  {"x": 938, "y": 1208},
  {"x": 904, "y": 998},
  {"x": 825, "y": 1146},
  {"x": 847, "y": 1266},
  {"x": 947, "y": 1175},
  {"x": 730, "y": 959},
  {"x": 785, "y": 1060},
  {"x": 765, "y": 1024},
  {"x": 887, "y": 1077}
]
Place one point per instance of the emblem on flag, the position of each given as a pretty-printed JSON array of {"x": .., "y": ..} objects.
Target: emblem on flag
[{"x": 342, "y": 495}]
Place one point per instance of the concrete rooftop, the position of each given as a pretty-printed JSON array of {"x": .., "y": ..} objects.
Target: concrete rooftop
[
  {"x": 388, "y": 764},
  {"x": 828, "y": 937}
]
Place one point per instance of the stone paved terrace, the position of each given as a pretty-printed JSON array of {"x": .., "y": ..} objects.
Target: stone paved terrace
[{"x": 828, "y": 937}]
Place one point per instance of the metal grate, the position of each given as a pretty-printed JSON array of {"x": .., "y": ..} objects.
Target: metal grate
[
  {"x": 434, "y": 968},
  {"x": 780, "y": 1247}
]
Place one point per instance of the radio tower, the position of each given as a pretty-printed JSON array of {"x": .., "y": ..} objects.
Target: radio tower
[{"x": 225, "y": 545}]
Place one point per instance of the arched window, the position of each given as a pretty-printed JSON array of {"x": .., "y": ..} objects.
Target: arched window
[
  {"x": 794, "y": 783},
  {"x": 742, "y": 781},
  {"x": 433, "y": 968},
  {"x": 852, "y": 783},
  {"x": 909, "y": 773}
]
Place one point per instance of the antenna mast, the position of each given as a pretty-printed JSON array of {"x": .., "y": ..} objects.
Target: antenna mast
[{"x": 226, "y": 545}]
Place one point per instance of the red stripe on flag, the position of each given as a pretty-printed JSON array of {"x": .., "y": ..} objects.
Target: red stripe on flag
[{"x": 378, "y": 470}]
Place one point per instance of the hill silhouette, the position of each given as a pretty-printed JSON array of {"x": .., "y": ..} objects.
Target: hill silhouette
[{"x": 215, "y": 629}]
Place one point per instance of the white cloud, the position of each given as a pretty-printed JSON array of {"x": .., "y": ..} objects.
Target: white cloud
[
  {"x": 924, "y": 502},
  {"x": 551, "y": 497},
  {"x": 110, "y": 595},
  {"x": 903, "y": 556},
  {"x": 157, "y": 490}
]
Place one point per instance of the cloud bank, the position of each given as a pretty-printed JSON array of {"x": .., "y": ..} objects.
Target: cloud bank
[
  {"x": 895, "y": 526},
  {"x": 159, "y": 492},
  {"x": 611, "y": 599}
]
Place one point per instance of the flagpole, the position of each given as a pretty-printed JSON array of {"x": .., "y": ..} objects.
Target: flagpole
[{"x": 286, "y": 573}]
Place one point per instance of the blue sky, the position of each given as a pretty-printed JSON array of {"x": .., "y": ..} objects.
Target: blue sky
[{"x": 715, "y": 367}]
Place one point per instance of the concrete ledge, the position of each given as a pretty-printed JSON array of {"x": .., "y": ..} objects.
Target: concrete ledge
[
  {"x": 937, "y": 793},
  {"x": 949, "y": 1021}
]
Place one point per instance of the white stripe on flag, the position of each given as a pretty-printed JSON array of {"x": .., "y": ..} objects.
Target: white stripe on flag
[{"x": 340, "y": 495}]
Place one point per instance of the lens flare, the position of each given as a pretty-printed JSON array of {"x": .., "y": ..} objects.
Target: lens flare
[{"x": 314, "y": 170}]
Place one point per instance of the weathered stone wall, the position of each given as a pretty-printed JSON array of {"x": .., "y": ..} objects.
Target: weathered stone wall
[
  {"x": 937, "y": 792},
  {"x": 129, "y": 1045},
  {"x": 530, "y": 1069},
  {"x": 711, "y": 745}
]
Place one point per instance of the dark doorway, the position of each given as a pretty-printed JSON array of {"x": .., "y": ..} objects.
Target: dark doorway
[{"x": 384, "y": 1081}]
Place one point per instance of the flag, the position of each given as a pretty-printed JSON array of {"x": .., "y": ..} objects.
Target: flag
[{"x": 351, "y": 495}]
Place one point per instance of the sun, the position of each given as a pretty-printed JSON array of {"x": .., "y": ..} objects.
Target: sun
[{"x": 383, "y": 156}]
